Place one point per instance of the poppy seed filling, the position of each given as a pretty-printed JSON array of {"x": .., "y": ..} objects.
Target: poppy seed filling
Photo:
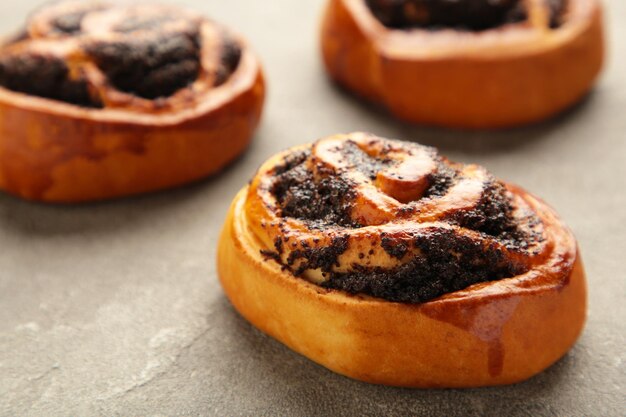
[
  {"x": 150, "y": 68},
  {"x": 461, "y": 248},
  {"x": 472, "y": 15},
  {"x": 17, "y": 73}
]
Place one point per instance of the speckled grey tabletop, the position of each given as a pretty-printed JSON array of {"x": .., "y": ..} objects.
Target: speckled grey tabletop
[{"x": 114, "y": 308}]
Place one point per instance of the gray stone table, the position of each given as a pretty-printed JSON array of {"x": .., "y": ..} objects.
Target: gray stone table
[{"x": 114, "y": 308}]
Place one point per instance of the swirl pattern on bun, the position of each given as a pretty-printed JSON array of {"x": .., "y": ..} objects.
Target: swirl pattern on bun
[
  {"x": 98, "y": 55},
  {"x": 390, "y": 219}
]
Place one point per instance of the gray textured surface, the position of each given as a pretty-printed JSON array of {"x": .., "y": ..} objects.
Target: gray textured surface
[{"x": 114, "y": 308}]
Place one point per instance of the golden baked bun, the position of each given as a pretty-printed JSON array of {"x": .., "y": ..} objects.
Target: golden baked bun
[
  {"x": 465, "y": 63},
  {"x": 100, "y": 100},
  {"x": 387, "y": 263}
]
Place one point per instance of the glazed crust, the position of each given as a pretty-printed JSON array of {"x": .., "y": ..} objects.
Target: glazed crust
[
  {"x": 54, "y": 151},
  {"x": 494, "y": 332},
  {"x": 513, "y": 75}
]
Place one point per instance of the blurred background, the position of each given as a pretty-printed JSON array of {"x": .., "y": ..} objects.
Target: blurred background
[{"x": 114, "y": 308}]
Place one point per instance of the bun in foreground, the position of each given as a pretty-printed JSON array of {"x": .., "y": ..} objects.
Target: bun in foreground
[{"x": 401, "y": 281}]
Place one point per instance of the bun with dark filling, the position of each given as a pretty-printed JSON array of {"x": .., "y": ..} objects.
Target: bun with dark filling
[
  {"x": 100, "y": 100},
  {"x": 465, "y": 63},
  {"x": 388, "y": 263}
]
